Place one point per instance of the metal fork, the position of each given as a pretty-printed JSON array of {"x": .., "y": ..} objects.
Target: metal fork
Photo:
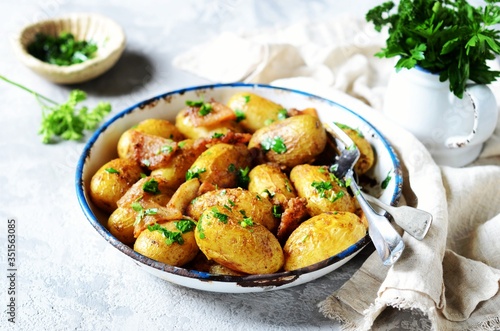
[{"x": 385, "y": 238}]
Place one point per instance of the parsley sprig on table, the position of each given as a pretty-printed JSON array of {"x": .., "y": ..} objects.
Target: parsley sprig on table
[
  {"x": 66, "y": 120},
  {"x": 447, "y": 37}
]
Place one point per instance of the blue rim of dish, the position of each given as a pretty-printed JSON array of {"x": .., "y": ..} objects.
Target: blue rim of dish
[{"x": 262, "y": 280}]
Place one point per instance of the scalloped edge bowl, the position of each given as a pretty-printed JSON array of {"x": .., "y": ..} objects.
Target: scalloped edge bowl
[
  {"x": 101, "y": 148},
  {"x": 107, "y": 34}
]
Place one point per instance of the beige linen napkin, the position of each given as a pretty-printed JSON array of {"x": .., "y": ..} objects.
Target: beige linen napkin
[{"x": 453, "y": 275}]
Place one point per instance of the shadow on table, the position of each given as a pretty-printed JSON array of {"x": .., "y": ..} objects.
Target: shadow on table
[{"x": 131, "y": 73}]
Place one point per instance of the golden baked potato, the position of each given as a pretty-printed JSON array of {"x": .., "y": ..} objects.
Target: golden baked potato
[
  {"x": 161, "y": 128},
  {"x": 186, "y": 123},
  {"x": 269, "y": 181},
  {"x": 366, "y": 157},
  {"x": 219, "y": 166},
  {"x": 121, "y": 224},
  {"x": 321, "y": 237},
  {"x": 238, "y": 243},
  {"x": 254, "y": 112},
  {"x": 111, "y": 182},
  {"x": 172, "y": 242},
  {"x": 292, "y": 141},
  {"x": 236, "y": 200},
  {"x": 321, "y": 189}
]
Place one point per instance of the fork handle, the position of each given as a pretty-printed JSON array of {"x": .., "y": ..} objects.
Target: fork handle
[{"x": 385, "y": 238}]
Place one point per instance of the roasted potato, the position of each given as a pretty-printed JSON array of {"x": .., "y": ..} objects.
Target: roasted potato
[
  {"x": 150, "y": 189},
  {"x": 184, "y": 122},
  {"x": 255, "y": 112},
  {"x": 121, "y": 224},
  {"x": 174, "y": 171},
  {"x": 366, "y": 157},
  {"x": 237, "y": 242},
  {"x": 219, "y": 166},
  {"x": 321, "y": 190},
  {"x": 152, "y": 152},
  {"x": 321, "y": 237},
  {"x": 171, "y": 242},
  {"x": 292, "y": 141},
  {"x": 111, "y": 182},
  {"x": 236, "y": 200},
  {"x": 161, "y": 128},
  {"x": 269, "y": 181}
]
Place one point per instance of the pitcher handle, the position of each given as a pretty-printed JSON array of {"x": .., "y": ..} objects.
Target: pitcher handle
[{"x": 483, "y": 104}]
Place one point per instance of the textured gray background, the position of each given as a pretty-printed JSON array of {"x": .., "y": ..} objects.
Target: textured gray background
[{"x": 68, "y": 277}]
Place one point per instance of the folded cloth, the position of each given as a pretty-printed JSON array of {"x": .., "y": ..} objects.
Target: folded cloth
[{"x": 453, "y": 275}]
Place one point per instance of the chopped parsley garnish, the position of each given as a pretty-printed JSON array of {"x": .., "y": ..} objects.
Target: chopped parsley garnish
[
  {"x": 220, "y": 216},
  {"x": 247, "y": 221},
  {"x": 143, "y": 175},
  {"x": 335, "y": 196},
  {"x": 204, "y": 107},
  {"x": 165, "y": 149},
  {"x": 231, "y": 202},
  {"x": 277, "y": 211},
  {"x": 321, "y": 187},
  {"x": 347, "y": 127},
  {"x": 282, "y": 114},
  {"x": 112, "y": 171},
  {"x": 194, "y": 173},
  {"x": 269, "y": 193},
  {"x": 386, "y": 181},
  {"x": 247, "y": 98},
  {"x": 231, "y": 168},
  {"x": 185, "y": 225},
  {"x": 151, "y": 186},
  {"x": 141, "y": 212},
  {"x": 170, "y": 236},
  {"x": 181, "y": 144},
  {"x": 146, "y": 162},
  {"x": 240, "y": 115},
  {"x": 200, "y": 229},
  {"x": 218, "y": 135},
  {"x": 276, "y": 144},
  {"x": 62, "y": 50},
  {"x": 242, "y": 177}
]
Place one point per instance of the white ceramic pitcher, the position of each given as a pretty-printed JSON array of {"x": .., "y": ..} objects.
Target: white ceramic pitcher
[{"x": 453, "y": 130}]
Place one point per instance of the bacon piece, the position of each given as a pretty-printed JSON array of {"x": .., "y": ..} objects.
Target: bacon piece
[
  {"x": 294, "y": 214},
  {"x": 218, "y": 113}
]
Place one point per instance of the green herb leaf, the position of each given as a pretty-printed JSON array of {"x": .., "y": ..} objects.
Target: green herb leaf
[
  {"x": 194, "y": 173},
  {"x": 277, "y": 211},
  {"x": 220, "y": 216},
  {"x": 282, "y": 114},
  {"x": 321, "y": 187},
  {"x": 243, "y": 179},
  {"x": 170, "y": 236},
  {"x": 218, "y": 135},
  {"x": 151, "y": 186},
  {"x": 276, "y": 144},
  {"x": 112, "y": 171},
  {"x": 386, "y": 181},
  {"x": 247, "y": 98},
  {"x": 240, "y": 115},
  {"x": 185, "y": 226}
]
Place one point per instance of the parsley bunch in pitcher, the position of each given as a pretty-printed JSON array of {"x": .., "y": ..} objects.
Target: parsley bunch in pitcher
[
  {"x": 67, "y": 120},
  {"x": 447, "y": 37}
]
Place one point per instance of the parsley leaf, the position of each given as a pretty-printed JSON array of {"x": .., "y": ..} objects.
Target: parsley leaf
[
  {"x": 240, "y": 115},
  {"x": 66, "y": 120},
  {"x": 276, "y": 144},
  {"x": 242, "y": 177},
  {"x": 386, "y": 181},
  {"x": 151, "y": 186},
  {"x": 185, "y": 226},
  {"x": 451, "y": 38},
  {"x": 220, "y": 216},
  {"x": 194, "y": 173},
  {"x": 170, "y": 236},
  {"x": 112, "y": 171}
]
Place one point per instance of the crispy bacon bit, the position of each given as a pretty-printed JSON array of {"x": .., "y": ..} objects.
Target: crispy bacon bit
[
  {"x": 218, "y": 113},
  {"x": 232, "y": 138},
  {"x": 294, "y": 214},
  {"x": 151, "y": 151}
]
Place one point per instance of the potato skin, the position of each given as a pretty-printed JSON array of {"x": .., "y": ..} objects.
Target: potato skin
[
  {"x": 321, "y": 237},
  {"x": 303, "y": 176},
  {"x": 121, "y": 224},
  {"x": 304, "y": 137},
  {"x": 268, "y": 179},
  {"x": 258, "y": 111},
  {"x": 153, "y": 245},
  {"x": 188, "y": 129},
  {"x": 366, "y": 157},
  {"x": 161, "y": 128},
  {"x": 106, "y": 188},
  {"x": 218, "y": 166},
  {"x": 250, "y": 249},
  {"x": 174, "y": 171},
  {"x": 235, "y": 200}
]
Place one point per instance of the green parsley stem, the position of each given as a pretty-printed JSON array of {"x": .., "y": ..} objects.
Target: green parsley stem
[{"x": 38, "y": 95}]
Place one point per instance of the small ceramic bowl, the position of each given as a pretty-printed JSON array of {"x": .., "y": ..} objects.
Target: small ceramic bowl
[
  {"x": 107, "y": 34},
  {"x": 101, "y": 148}
]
